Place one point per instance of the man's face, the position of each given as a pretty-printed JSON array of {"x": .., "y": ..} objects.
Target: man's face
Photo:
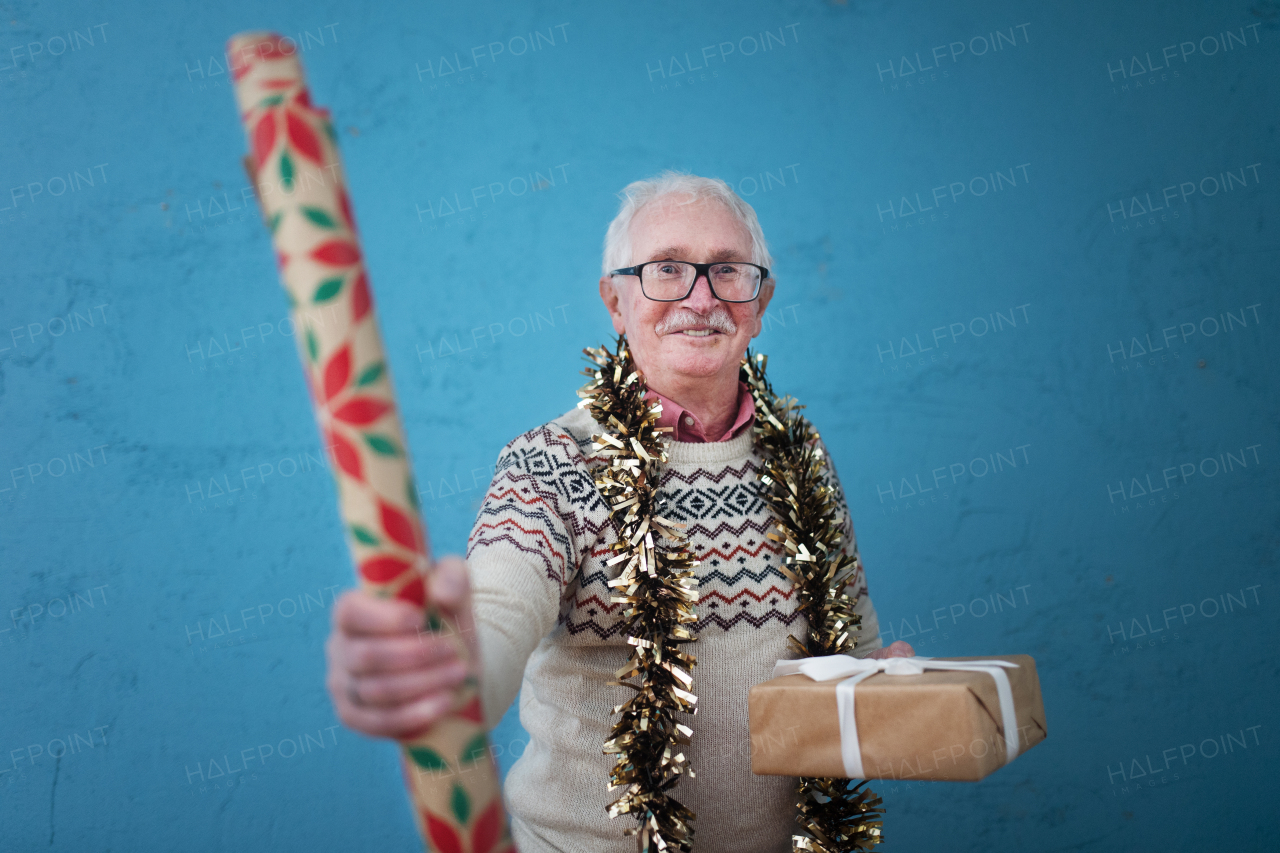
[{"x": 699, "y": 337}]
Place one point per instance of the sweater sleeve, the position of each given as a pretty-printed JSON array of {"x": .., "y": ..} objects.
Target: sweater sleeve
[
  {"x": 869, "y": 629},
  {"x": 523, "y": 553}
]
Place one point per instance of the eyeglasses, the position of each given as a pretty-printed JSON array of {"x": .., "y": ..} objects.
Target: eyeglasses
[{"x": 673, "y": 281}]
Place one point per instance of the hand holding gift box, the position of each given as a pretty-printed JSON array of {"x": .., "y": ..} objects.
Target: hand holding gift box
[{"x": 942, "y": 719}]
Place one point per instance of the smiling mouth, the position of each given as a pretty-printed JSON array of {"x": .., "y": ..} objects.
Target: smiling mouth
[{"x": 697, "y": 332}]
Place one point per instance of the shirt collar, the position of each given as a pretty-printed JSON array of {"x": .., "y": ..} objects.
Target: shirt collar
[{"x": 687, "y": 427}]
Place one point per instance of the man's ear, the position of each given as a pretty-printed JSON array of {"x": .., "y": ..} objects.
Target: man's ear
[
  {"x": 762, "y": 303},
  {"x": 612, "y": 298}
]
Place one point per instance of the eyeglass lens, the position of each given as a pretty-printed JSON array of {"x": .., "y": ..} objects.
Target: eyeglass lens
[{"x": 671, "y": 280}]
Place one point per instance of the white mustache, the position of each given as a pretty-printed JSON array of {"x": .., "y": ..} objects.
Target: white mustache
[{"x": 684, "y": 318}]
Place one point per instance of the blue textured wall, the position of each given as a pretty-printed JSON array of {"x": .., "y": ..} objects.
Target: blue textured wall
[{"x": 1027, "y": 262}]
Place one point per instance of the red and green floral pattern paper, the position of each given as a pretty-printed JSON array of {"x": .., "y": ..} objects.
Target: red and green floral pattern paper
[{"x": 450, "y": 771}]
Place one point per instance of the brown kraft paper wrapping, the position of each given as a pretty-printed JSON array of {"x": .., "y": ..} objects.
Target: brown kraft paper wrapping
[{"x": 938, "y": 726}]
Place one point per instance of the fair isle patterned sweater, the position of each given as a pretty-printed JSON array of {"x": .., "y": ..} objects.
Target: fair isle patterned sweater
[{"x": 547, "y": 630}]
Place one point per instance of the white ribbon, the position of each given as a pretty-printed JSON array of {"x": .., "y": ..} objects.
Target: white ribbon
[{"x": 838, "y": 666}]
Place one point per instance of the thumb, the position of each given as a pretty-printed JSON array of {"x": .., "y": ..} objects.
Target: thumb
[
  {"x": 450, "y": 587},
  {"x": 901, "y": 649}
]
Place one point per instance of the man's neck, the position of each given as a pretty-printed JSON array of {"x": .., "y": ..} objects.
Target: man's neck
[{"x": 713, "y": 400}]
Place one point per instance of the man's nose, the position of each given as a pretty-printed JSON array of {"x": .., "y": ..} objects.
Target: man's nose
[{"x": 701, "y": 300}]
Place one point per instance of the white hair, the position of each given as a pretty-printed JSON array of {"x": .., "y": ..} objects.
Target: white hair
[{"x": 617, "y": 240}]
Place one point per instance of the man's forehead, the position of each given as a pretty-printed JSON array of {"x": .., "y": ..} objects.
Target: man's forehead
[{"x": 681, "y": 229}]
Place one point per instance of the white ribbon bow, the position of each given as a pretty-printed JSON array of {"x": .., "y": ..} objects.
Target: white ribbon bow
[{"x": 838, "y": 666}]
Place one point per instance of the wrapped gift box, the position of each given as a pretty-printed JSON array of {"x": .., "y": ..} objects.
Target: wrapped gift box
[{"x": 938, "y": 724}]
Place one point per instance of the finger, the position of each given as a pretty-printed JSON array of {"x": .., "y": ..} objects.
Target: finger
[
  {"x": 450, "y": 585},
  {"x": 404, "y": 688},
  {"x": 379, "y": 655},
  {"x": 901, "y": 649},
  {"x": 360, "y": 613},
  {"x": 395, "y": 723}
]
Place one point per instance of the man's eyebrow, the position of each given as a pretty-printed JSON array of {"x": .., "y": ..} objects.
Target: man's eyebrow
[{"x": 681, "y": 253}]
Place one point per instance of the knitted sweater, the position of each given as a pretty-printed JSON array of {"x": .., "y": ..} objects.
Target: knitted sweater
[{"x": 547, "y": 630}]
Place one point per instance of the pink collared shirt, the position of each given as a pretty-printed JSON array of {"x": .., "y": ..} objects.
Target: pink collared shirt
[{"x": 687, "y": 427}]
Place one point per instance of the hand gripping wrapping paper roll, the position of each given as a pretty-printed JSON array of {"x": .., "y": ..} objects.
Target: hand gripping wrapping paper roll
[{"x": 452, "y": 779}]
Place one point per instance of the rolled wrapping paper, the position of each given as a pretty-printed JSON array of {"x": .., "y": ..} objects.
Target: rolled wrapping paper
[{"x": 453, "y": 783}]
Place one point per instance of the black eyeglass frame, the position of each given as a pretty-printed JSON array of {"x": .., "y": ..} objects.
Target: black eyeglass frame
[{"x": 700, "y": 271}]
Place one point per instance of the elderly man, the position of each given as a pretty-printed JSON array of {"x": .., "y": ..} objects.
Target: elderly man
[{"x": 686, "y": 278}]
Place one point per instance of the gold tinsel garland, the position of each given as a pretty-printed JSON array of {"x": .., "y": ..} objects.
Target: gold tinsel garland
[
  {"x": 658, "y": 584},
  {"x": 839, "y": 817}
]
